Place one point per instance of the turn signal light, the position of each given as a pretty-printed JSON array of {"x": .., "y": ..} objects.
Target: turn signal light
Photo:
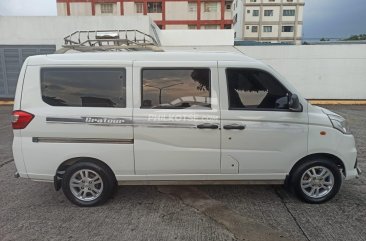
[{"x": 21, "y": 119}]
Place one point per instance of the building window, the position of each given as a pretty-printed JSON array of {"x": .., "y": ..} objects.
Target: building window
[
  {"x": 235, "y": 19},
  {"x": 287, "y": 29},
  {"x": 227, "y": 6},
  {"x": 248, "y": 11},
  {"x": 289, "y": 12},
  {"x": 84, "y": 87},
  {"x": 271, "y": 0},
  {"x": 254, "y": 29},
  {"x": 290, "y": 1},
  {"x": 154, "y": 7},
  {"x": 139, "y": 7},
  {"x": 255, "y": 13},
  {"x": 268, "y": 13},
  {"x": 267, "y": 29},
  {"x": 106, "y": 8},
  {"x": 247, "y": 27},
  {"x": 255, "y": 89},
  {"x": 192, "y": 7},
  {"x": 176, "y": 88},
  {"x": 192, "y": 26},
  {"x": 212, "y": 26},
  {"x": 210, "y": 6},
  {"x": 227, "y": 26},
  {"x": 253, "y": 1}
]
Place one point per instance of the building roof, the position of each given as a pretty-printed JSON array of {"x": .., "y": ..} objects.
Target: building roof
[{"x": 139, "y": 56}]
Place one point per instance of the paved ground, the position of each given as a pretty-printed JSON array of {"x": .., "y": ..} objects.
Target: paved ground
[{"x": 34, "y": 211}]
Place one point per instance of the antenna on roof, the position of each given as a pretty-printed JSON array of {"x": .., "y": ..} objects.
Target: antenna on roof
[{"x": 109, "y": 40}]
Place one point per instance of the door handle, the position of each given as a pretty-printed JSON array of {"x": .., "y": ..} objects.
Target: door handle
[
  {"x": 234, "y": 127},
  {"x": 207, "y": 126}
]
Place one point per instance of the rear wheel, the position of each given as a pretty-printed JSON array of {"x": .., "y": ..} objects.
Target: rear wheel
[
  {"x": 88, "y": 184},
  {"x": 316, "y": 181}
]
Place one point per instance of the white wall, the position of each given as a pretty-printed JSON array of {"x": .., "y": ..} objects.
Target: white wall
[
  {"x": 197, "y": 37},
  {"x": 52, "y": 30},
  {"x": 317, "y": 71}
]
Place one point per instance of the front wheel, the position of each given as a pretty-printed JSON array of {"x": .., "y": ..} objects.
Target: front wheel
[
  {"x": 87, "y": 184},
  {"x": 317, "y": 181}
]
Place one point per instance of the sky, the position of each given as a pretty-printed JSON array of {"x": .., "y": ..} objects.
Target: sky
[{"x": 322, "y": 18}]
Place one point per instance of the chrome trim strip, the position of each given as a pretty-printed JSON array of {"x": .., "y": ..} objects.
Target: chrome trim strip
[{"x": 81, "y": 140}]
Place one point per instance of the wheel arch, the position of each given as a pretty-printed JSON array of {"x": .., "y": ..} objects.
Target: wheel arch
[
  {"x": 328, "y": 156},
  {"x": 64, "y": 165}
]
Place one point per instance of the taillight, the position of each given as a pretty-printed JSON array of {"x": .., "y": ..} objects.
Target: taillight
[{"x": 21, "y": 119}]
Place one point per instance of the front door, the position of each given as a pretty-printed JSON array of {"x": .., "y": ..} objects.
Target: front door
[
  {"x": 176, "y": 118},
  {"x": 261, "y": 137}
]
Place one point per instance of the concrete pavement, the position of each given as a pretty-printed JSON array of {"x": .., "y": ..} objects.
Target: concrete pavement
[{"x": 34, "y": 211}]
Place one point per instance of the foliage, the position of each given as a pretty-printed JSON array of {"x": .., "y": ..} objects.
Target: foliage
[{"x": 356, "y": 37}]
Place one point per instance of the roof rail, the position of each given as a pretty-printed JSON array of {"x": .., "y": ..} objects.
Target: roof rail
[{"x": 109, "y": 40}]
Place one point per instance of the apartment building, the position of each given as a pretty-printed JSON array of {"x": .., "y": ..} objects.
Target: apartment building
[
  {"x": 268, "y": 20},
  {"x": 167, "y": 14}
]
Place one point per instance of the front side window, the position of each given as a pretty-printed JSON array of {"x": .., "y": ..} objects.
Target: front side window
[
  {"x": 176, "y": 88},
  {"x": 84, "y": 87},
  {"x": 255, "y": 89}
]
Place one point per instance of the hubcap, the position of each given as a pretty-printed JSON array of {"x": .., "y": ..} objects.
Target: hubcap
[
  {"x": 317, "y": 182},
  {"x": 86, "y": 185}
]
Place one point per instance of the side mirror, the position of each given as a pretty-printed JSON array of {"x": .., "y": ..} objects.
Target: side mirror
[{"x": 294, "y": 103}]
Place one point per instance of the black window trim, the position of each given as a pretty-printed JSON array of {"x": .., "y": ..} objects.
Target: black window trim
[
  {"x": 171, "y": 68},
  {"x": 42, "y": 69},
  {"x": 255, "y": 109}
]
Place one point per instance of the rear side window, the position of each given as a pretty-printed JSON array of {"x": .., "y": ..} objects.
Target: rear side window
[
  {"x": 255, "y": 89},
  {"x": 176, "y": 88},
  {"x": 84, "y": 87}
]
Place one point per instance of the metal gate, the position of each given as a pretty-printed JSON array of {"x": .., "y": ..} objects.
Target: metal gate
[{"x": 11, "y": 61}]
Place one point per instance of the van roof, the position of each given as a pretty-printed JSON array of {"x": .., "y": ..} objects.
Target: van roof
[{"x": 141, "y": 56}]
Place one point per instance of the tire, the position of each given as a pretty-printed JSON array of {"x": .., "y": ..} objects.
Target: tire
[
  {"x": 88, "y": 183},
  {"x": 316, "y": 181}
]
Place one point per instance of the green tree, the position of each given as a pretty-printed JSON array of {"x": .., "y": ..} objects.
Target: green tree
[{"x": 356, "y": 37}]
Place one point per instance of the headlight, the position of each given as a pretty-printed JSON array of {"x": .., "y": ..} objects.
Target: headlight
[{"x": 339, "y": 123}]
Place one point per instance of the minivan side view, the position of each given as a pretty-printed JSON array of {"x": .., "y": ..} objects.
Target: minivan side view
[{"x": 91, "y": 121}]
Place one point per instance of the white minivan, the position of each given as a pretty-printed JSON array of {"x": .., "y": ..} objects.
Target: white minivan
[{"x": 90, "y": 121}]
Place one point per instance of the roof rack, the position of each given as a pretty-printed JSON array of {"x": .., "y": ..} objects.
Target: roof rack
[{"x": 109, "y": 40}]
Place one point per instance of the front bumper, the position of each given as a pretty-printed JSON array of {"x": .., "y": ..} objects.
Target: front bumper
[{"x": 354, "y": 173}]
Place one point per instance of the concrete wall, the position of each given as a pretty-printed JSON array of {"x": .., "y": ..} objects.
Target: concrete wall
[
  {"x": 197, "y": 37},
  {"x": 52, "y": 30},
  {"x": 317, "y": 71}
]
